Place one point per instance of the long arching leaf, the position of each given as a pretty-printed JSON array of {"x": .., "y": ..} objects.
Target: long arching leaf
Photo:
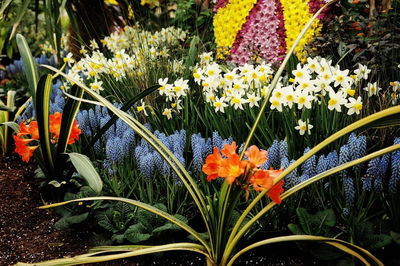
[
  {"x": 42, "y": 112},
  {"x": 70, "y": 110},
  {"x": 30, "y": 67},
  {"x": 124, "y": 253},
  {"x": 346, "y": 247}
]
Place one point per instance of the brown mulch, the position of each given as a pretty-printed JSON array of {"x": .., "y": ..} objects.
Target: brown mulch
[{"x": 27, "y": 234}]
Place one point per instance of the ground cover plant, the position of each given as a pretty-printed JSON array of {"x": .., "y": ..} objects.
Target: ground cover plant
[{"x": 189, "y": 143}]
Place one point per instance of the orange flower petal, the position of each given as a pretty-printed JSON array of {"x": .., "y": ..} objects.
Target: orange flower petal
[
  {"x": 255, "y": 156},
  {"x": 33, "y": 129},
  {"x": 275, "y": 192},
  {"x": 213, "y": 162},
  {"x": 232, "y": 168},
  {"x": 261, "y": 180},
  {"x": 229, "y": 150},
  {"x": 23, "y": 149}
]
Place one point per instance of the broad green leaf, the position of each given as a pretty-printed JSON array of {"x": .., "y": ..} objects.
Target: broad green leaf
[
  {"x": 30, "y": 67},
  {"x": 86, "y": 169},
  {"x": 137, "y": 233},
  {"x": 42, "y": 113},
  {"x": 66, "y": 221}
]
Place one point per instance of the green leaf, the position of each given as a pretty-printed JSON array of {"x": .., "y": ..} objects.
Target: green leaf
[
  {"x": 191, "y": 57},
  {"x": 295, "y": 229},
  {"x": 86, "y": 169},
  {"x": 137, "y": 233},
  {"x": 42, "y": 114},
  {"x": 14, "y": 126},
  {"x": 378, "y": 241},
  {"x": 67, "y": 221},
  {"x": 71, "y": 108},
  {"x": 30, "y": 67},
  {"x": 395, "y": 236},
  {"x": 118, "y": 238}
]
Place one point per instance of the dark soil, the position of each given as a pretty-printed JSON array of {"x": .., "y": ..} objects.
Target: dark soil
[{"x": 27, "y": 234}]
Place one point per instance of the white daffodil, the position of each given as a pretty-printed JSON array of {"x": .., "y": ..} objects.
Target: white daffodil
[
  {"x": 237, "y": 101},
  {"x": 212, "y": 70},
  {"x": 96, "y": 85},
  {"x": 219, "y": 104},
  {"x": 321, "y": 85},
  {"x": 164, "y": 86},
  {"x": 289, "y": 96},
  {"x": 336, "y": 100},
  {"x": 276, "y": 103},
  {"x": 341, "y": 78},
  {"x": 372, "y": 89},
  {"x": 355, "y": 106},
  {"x": 300, "y": 74},
  {"x": 180, "y": 87},
  {"x": 69, "y": 60},
  {"x": 168, "y": 113},
  {"x": 303, "y": 99},
  {"x": 253, "y": 99},
  {"x": 362, "y": 72},
  {"x": 142, "y": 108},
  {"x": 303, "y": 127}
]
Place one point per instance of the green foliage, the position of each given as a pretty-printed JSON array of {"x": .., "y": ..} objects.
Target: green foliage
[
  {"x": 151, "y": 226},
  {"x": 320, "y": 223},
  {"x": 68, "y": 220},
  {"x": 368, "y": 237}
]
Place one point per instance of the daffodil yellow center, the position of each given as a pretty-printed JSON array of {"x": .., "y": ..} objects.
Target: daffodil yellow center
[
  {"x": 351, "y": 92},
  {"x": 217, "y": 104},
  {"x": 332, "y": 102},
  {"x": 302, "y": 100},
  {"x": 358, "y": 106}
]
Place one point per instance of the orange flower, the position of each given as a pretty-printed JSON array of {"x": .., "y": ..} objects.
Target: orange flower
[
  {"x": 356, "y": 2},
  {"x": 229, "y": 150},
  {"x": 22, "y": 148},
  {"x": 255, "y": 156},
  {"x": 261, "y": 180},
  {"x": 23, "y": 130},
  {"x": 232, "y": 168},
  {"x": 275, "y": 192},
  {"x": 55, "y": 124},
  {"x": 360, "y": 34},
  {"x": 33, "y": 129},
  {"x": 213, "y": 162},
  {"x": 75, "y": 132}
]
